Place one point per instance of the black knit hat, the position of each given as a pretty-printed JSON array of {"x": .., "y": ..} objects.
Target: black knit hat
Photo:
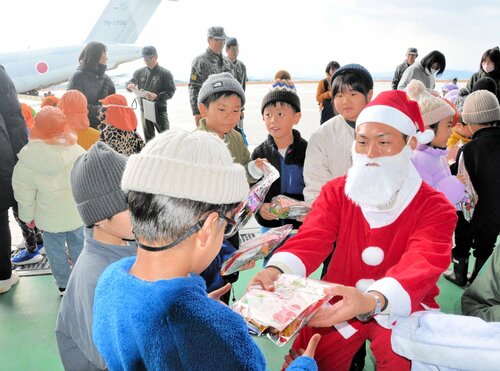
[
  {"x": 282, "y": 91},
  {"x": 485, "y": 83},
  {"x": 95, "y": 181},
  {"x": 356, "y": 69}
]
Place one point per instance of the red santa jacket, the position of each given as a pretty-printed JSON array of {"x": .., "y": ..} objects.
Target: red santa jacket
[{"x": 402, "y": 259}]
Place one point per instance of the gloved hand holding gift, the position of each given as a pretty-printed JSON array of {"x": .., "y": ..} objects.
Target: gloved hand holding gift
[
  {"x": 255, "y": 249},
  {"x": 285, "y": 207}
]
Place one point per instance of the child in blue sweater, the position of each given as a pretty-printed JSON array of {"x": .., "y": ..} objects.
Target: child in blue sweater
[{"x": 152, "y": 311}]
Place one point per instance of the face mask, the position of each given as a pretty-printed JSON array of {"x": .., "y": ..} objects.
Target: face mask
[
  {"x": 433, "y": 71},
  {"x": 488, "y": 67}
]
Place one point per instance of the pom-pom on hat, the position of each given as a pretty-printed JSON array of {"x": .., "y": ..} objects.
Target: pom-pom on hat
[
  {"x": 395, "y": 109},
  {"x": 74, "y": 105},
  {"x": 281, "y": 91},
  {"x": 95, "y": 182},
  {"x": 221, "y": 83},
  {"x": 480, "y": 107},
  {"x": 432, "y": 108},
  {"x": 361, "y": 73},
  {"x": 197, "y": 166},
  {"x": 118, "y": 114}
]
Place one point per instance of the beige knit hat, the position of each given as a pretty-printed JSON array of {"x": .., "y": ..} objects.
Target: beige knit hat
[
  {"x": 481, "y": 107},
  {"x": 433, "y": 109},
  {"x": 197, "y": 166}
]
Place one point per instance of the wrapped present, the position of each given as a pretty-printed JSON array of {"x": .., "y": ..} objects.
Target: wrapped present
[
  {"x": 256, "y": 196},
  {"x": 255, "y": 249},
  {"x": 280, "y": 314},
  {"x": 285, "y": 207},
  {"x": 469, "y": 202}
]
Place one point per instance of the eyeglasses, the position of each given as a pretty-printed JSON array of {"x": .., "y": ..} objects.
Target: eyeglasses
[
  {"x": 147, "y": 59},
  {"x": 229, "y": 231},
  {"x": 231, "y": 226}
]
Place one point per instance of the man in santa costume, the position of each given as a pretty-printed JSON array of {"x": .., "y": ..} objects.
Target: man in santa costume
[{"x": 393, "y": 237}]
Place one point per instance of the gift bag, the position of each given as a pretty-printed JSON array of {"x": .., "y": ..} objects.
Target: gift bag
[{"x": 469, "y": 202}]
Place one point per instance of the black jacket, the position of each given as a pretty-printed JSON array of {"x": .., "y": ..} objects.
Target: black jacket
[
  {"x": 95, "y": 86},
  {"x": 13, "y": 136},
  {"x": 158, "y": 80},
  {"x": 291, "y": 181},
  {"x": 481, "y": 159}
]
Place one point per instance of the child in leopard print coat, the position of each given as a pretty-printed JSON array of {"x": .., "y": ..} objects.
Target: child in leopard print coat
[{"x": 119, "y": 126}]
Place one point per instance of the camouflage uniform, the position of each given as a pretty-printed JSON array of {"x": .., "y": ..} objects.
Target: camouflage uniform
[
  {"x": 240, "y": 73},
  {"x": 203, "y": 66},
  {"x": 400, "y": 69}
]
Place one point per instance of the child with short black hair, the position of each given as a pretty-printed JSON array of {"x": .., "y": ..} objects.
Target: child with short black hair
[
  {"x": 95, "y": 181},
  {"x": 284, "y": 148},
  {"x": 182, "y": 191}
]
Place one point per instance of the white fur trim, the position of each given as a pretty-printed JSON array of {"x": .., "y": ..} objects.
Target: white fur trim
[
  {"x": 398, "y": 298},
  {"x": 389, "y": 116},
  {"x": 364, "y": 283},
  {"x": 426, "y": 137},
  {"x": 372, "y": 255},
  {"x": 345, "y": 329},
  {"x": 288, "y": 263}
]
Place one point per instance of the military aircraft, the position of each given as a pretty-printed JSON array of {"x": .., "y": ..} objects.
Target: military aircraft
[{"x": 118, "y": 27}]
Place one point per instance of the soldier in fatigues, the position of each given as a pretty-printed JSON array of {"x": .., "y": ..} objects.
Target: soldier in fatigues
[
  {"x": 207, "y": 64},
  {"x": 159, "y": 84},
  {"x": 240, "y": 73}
]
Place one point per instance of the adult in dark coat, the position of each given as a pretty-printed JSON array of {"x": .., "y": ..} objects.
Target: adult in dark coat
[
  {"x": 13, "y": 137},
  {"x": 90, "y": 78}
]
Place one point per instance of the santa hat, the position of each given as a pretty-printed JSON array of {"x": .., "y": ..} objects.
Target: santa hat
[
  {"x": 395, "y": 109},
  {"x": 118, "y": 114},
  {"x": 74, "y": 106}
]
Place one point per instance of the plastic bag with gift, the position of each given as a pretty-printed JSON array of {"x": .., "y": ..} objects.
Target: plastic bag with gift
[
  {"x": 285, "y": 207},
  {"x": 280, "y": 314},
  {"x": 255, "y": 197},
  {"x": 469, "y": 201},
  {"x": 255, "y": 249}
]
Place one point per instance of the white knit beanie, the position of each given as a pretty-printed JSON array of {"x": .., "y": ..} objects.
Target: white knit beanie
[
  {"x": 433, "y": 109},
  {"x": 197, "y": 166},
  {"x": 481, "y": 107}
]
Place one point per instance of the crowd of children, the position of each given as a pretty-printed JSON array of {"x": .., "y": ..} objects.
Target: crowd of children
[{"x": 138, "y": 232}]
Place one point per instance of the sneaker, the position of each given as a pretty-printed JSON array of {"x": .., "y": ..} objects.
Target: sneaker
[
  {"x": 41, "y": 249},
  {"x": 25, "y": 257},
  {"x": 5, "y": 285},
  {"x": 62, "y": 290}
]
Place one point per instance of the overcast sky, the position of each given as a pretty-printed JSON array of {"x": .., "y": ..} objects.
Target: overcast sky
[{"x": 301, "y": 36}]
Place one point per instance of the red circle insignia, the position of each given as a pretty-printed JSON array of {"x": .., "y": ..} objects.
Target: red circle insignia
[{"x": 42, "y": 67}]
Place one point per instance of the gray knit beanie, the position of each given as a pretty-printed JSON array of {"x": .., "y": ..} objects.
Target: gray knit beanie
[
  {"x": 481, "y": 107},
  {"x": 281, "y": 91},
  {"x": 221, "y": 83},
  {"x": 95, "y": 180},
  {"x": 197, "y": 166}
]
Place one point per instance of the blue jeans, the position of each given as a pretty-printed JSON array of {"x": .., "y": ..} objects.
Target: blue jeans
[{"x": 55, "y": 247}]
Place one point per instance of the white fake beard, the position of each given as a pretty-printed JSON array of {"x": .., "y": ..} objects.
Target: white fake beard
[{"x": 377, "y": 185}]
